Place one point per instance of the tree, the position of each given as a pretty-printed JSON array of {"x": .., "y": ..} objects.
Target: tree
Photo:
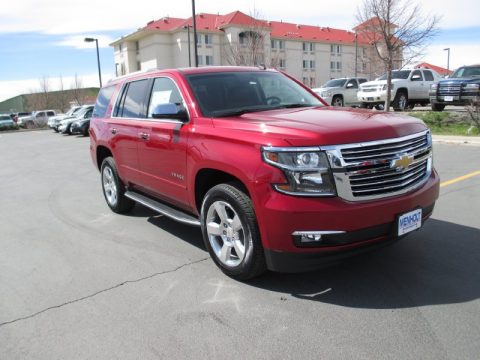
[
  {"x": 395, "y": 28},
  {"x": 78, "y": 93},
  {"x": 247, "y": 47}
]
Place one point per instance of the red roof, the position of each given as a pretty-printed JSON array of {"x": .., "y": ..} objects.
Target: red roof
[
  {"x": 372, "y": 23},
  {"x": 438, "y": 69},
  {"x": 279, "y": 30}
]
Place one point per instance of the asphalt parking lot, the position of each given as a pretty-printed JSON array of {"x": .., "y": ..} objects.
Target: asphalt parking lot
[{"x": 80, "y": 282}]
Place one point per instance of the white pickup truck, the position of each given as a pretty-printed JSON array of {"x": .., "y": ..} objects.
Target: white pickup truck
[
  {"x": 409, "y": 87},
  {"x": 340, "y": 92}
]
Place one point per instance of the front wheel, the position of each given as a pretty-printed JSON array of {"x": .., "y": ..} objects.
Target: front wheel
[
  {"x": 400, "y": 102},
  {"x": 337, "y": 101},
  {"x": 438, "y": 107},
  {"x": 230, "y": 232}
]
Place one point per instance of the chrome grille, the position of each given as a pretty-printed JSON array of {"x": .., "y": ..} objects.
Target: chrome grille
[
  {"x": 382, "y": 168},
  {"x": 449, "y": 89}
]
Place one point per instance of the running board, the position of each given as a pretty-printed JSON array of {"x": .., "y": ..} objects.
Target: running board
[{"x": 162, "y": 208}]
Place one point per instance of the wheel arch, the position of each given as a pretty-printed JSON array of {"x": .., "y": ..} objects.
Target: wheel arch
[{"x": 102, "y": 153}]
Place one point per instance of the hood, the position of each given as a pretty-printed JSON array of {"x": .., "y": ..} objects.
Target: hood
[
  {"x": 381, "y": 82},
  {"x": 318, "y": 126},
  {"x": 475, "y": 80},
  {"x": 328, "y": 88}
]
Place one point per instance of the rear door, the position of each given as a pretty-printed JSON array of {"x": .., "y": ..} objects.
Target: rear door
[
  {"x": 124, "y": 127},
  {"x": 162, "y": 146},
  {"x": 429, "y": 80},
  {"x": 417, "y": 86}
]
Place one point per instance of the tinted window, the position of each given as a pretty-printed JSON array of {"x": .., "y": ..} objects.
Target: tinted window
[
  {"x": 466, "y": 72},
  {"x": 398, "y": 74},
  {"x": 164, "y": 91},
  {"x": 133, "y": 100},
  {"x": 428, "y": 75},
  {"x": 335, "y": 83},
  {"x": 417, "y": 73},
  {"x": 353, "y": 84},
  {"x": 103, "y": 99},
  {"x": 233, "y": 93},
  {"x": 361, "y": 81},
  {"x": 50, "y": 113}
]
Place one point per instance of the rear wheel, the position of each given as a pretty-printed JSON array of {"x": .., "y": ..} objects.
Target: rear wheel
[
  {"x": 438, "y": 107},
  {"x": 230, "y": 232},
  {"x": 113, "y": 188}
]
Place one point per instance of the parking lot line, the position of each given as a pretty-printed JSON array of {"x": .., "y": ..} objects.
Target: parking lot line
[{"x": 460, "y": 178}]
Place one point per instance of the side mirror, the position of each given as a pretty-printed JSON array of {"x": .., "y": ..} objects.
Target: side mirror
[
  {"x": 349, "y": 86},
  {"x": 169, "y": 111},
  {"x": 416, "y": 78}
]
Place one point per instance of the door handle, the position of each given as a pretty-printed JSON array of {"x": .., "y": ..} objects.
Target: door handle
[
  {"x": 113, "y": 131},
  {"x": 144, "y": 136}
]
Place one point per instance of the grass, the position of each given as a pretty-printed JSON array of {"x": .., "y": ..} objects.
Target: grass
[{"x": 445, "y": 123}]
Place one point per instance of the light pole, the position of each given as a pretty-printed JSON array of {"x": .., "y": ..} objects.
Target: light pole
[
  {"x": 188, "y": 37},
  {"x": 88, "y": 39},
  {"x": 194, "y": 33},
  {"x": 448, "y": 59}
]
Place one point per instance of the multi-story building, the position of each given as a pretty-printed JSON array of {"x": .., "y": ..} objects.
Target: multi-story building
[{"x": 311, "y": 54}]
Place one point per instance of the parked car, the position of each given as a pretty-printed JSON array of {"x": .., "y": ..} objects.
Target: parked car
[
  {"x": 84, "y": 113},
  {"x": 409, "y": 87},
  {"x": 340, "y": 92},
  {"x": 81, "y": 126},
  {"x": 275, "y": 179},
  {"x": 54, "y": 122},
  {"x": 16, "y": 115},
  {"x": 462, "y": 88},
  {"x": 6, "y": 122},
  {"x": 37, "y": 118}
]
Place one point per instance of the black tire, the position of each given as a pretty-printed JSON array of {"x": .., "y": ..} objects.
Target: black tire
[
  {"x": 380, "y": 107},
  {"x": 400, "y": 102},
  {"x": 337, "y": 100},
  {"x": 55, "y": 129},
  {"x": 410, "y": 106},
  {"x": 85, "y": 133},
  {"x": 223, "y": 236},
  {"x": 438, "y": 107},
  {"x": 113, "y": 188}
]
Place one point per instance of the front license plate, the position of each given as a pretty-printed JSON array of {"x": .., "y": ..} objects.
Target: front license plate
[
  {"x": 370, "y": 98},
  {"x": 448, "y": 98},
  {"x": 409, "y": 221}
]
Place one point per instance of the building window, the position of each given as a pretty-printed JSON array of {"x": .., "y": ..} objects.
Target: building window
[
  {"x": 332, "y": 65},
  {"x": 312, "y": 64},
  {"x": 137, "y": 47},
  {"x": 208, "y": 40},
  {"x": 273, "y": 44},
  {"x": 305, "y": 81},
  {"x": 209, "y": 60},
  {"x": 339, "y": 66},
  {"x": 308, "y": 46},
  {"x": 139, "y": 66},
  {"x": 281, "y": 44},
  {"x": 312, "y": 82},
  {"x": 200, "y": 60},
  {"x": 364, "y": 67},
  {"x": 120, "y": 47},
  {"x": 283, "y": 63},
  {"x": 199, "y": 40},
  {"x": 305, "y": 64},
  {"x": 336, "y": 49}
]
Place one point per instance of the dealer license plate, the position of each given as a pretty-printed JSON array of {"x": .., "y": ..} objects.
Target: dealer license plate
[
  {"x": 409, "y": 221},
  {"x": 448, "y": 98}
]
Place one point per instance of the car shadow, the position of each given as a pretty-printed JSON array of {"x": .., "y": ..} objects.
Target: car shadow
[{"x": 439, "y": 264}]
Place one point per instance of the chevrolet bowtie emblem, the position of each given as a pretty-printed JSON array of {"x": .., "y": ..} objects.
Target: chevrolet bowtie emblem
[{"x": 402, "y": 162}]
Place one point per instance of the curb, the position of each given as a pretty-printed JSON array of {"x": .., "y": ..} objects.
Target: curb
[{"x": 457, "y": 140}]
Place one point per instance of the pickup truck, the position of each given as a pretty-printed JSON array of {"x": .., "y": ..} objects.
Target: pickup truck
[
  {"x": 275, "y": 178},
  {"x": 462, "y": 88},
  {"x": 409, "y": 87},
  {"x": 37, "y": 118}
]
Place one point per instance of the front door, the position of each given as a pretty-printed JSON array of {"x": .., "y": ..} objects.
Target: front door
[{"x": 162, "y": 146}]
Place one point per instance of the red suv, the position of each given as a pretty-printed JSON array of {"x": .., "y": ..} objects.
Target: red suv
[{"x": 275, "y": 178}]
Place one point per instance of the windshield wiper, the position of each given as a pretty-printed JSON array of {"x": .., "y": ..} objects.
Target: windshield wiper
[
  {"x": 298, "y": 105},
  {"x": 240, "y": 111}
]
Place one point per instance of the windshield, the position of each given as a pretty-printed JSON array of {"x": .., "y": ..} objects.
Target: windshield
[
  {"x": 335, "y": 83},
  {"x": 467, "y": 72},
  {"x": 398, "y": 74},
  {"x": 235, "y": 93}
]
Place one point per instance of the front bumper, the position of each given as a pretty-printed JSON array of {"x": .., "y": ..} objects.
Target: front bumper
[
  {"x": 454, "y": 100},
  {"x": 366, "y": 225},
  {"x": 373, "y": 97}
]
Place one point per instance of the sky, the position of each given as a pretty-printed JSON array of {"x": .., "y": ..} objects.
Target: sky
[{"x": 44, "y": 39}]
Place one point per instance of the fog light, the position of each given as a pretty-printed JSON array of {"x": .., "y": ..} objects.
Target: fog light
[{"x": 312, "y": 238}]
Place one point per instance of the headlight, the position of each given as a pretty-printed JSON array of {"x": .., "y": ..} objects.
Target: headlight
[
  {"x": 326, "y": 94},
  {"x": 471, "y": 87},
  {"x": 307, "y": 170},
  {"x": 433, "y": 87},
  {"x": 385, "y": 87}
]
